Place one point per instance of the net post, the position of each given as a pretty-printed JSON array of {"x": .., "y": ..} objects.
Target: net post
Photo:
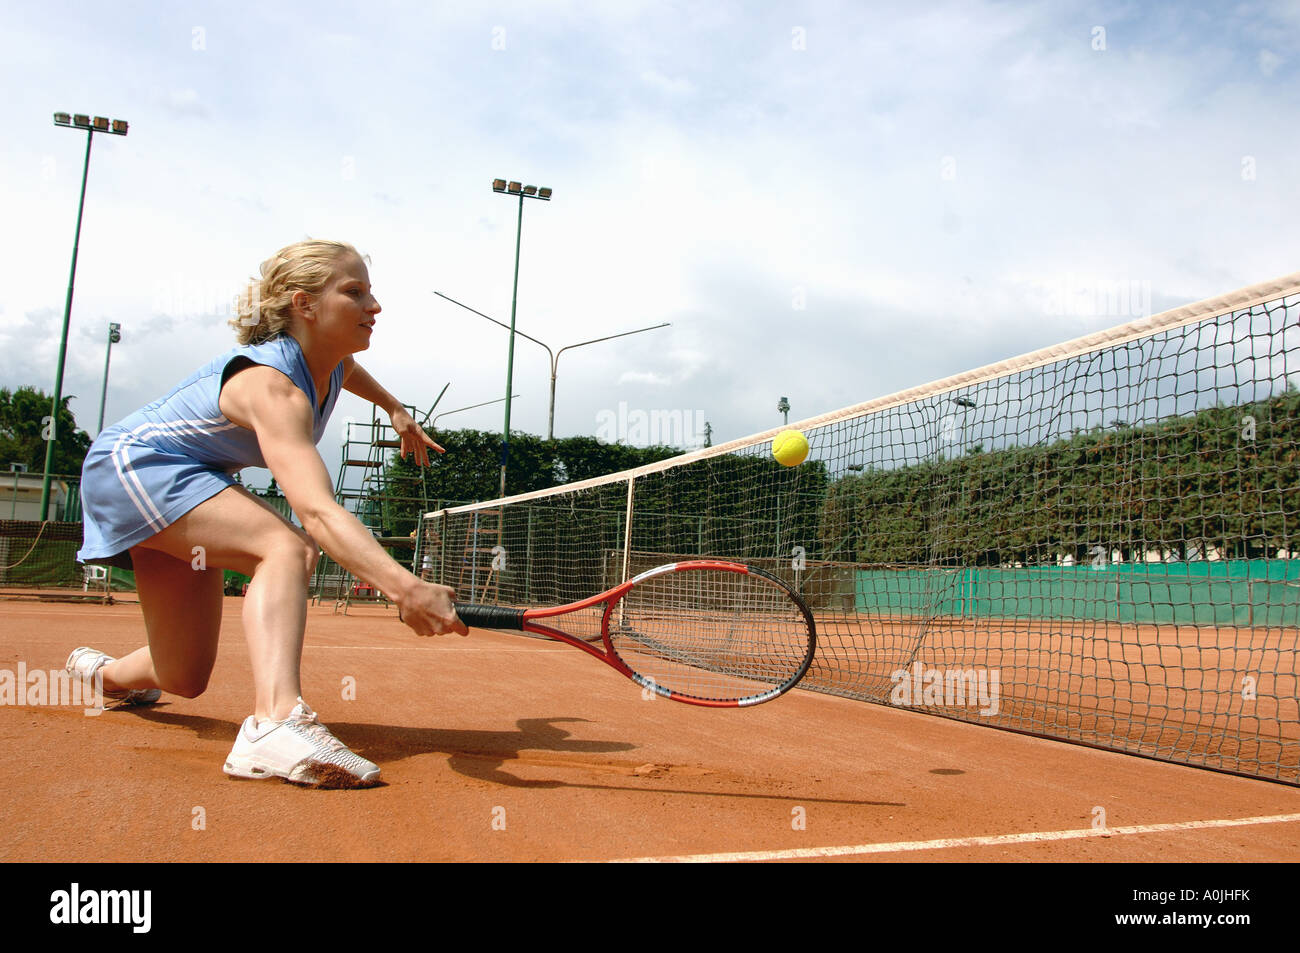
[
  {"x": 473, "y": 562},
  {"x": 627, "y": 529},
  {"x": 442, "y": 548},
  {"x": 528, "y": 555},
  {"x": 418, "y": 548}
]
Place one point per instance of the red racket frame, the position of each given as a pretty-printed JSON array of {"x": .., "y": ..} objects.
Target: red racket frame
[{"x": 527, "y": 621}]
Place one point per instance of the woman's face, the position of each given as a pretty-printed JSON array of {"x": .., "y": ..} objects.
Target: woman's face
[{"x": 346, "y": 308}]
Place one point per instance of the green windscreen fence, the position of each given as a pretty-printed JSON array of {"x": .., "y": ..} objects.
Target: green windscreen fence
[{"x": 1259, "y": 592}]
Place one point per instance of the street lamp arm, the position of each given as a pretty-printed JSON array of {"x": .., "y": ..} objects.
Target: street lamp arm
[
  {"x": 555, "y": 367},
  {"x": 500, "y": 324},
  {"x": 609, "y": 337}
]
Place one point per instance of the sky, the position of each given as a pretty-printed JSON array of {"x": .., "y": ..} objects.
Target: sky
[{"x": 829, "y": 202}]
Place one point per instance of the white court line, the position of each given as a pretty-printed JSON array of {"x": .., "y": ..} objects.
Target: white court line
[{"x": 1033, "y": 837}]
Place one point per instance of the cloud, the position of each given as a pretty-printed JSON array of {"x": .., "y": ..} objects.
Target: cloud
[
  {"x": 787, "y": 209},
  {"x": 182, "y": 102},
  {"x": 25, "y": 343},
  {"x": 676, "y": 87},
  {"x": 643, "y": 377}
]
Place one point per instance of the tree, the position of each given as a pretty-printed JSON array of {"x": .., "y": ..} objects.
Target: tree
[
  {"x": 24, "y": 414},
  {"x": 1223, "y": 477}
]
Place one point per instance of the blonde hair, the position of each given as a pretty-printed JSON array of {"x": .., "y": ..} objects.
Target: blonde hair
[{"x": 265, "y": 308}]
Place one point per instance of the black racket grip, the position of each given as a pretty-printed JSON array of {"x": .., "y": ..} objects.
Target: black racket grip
[{"x": 489, "y": 617}]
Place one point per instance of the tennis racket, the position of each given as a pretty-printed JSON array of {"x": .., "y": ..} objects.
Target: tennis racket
[{"x": 702, "y": 632}]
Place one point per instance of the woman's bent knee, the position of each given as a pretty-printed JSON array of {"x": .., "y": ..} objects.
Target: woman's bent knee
[
  {"x": 184, "y": 684},
  {"x": 296, "y": 552},
  {"x": 312, "y": 554}
]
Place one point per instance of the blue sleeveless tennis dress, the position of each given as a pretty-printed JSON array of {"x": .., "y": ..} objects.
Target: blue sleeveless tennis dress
[{"x": 144, "y": 473}]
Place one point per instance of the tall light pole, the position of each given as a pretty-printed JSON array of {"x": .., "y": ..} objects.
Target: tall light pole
[
  {"x": 114, "y": 335},
  {"x": 554, "y": 355},
  {"x": 116, "y": 127},
  {"x": 531, "y": 192},
  {"x": 783, "y": 408}
]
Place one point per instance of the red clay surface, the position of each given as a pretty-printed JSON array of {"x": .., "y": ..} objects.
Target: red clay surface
[{"x": 500, "y": 748}]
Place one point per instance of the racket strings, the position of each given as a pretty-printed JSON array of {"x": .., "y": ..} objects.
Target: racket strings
[
  {"x": 711, "y": 634},
  {"x": 586, "y": 624}
]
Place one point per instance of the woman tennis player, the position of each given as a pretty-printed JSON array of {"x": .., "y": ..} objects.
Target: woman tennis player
[{"x": 160, "y": 497}]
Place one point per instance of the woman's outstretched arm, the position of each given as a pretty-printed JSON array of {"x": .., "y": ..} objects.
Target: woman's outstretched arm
[{"x": 264, "y": 400}]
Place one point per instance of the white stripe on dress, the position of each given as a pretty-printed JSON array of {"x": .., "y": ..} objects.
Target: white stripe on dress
[{"x": 130, "y": 480}]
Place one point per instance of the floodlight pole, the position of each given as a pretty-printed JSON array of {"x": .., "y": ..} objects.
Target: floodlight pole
[
  {"x": 114, "y": 335},
  {"x": 119, "y": 128},
  {"x": 63, "y": 339},
  {"x": 514, "y": 188},
  {"x": 510, "y": 354}
]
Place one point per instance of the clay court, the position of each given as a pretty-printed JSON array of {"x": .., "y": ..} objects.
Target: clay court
[{"x": 501, "y": 748}]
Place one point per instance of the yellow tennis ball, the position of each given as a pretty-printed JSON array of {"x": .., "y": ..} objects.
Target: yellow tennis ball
[{"x": 790, "y": 448}]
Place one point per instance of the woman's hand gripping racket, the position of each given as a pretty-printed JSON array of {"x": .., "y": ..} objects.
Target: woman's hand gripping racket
[{"x": 701, "y": 632}]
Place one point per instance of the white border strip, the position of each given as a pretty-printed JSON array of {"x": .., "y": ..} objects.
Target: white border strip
[
  {"x": 1208, "y": 309},
  {"x": 1033, "y": 837}
]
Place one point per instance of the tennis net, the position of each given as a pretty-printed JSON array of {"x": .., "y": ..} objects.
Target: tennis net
[{"x": 1095, "y": 542}]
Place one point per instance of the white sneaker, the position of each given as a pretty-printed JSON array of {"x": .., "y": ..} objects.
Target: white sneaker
[
  {"x": 84, "y": 662},
  {"x": 299, "y": 749}
]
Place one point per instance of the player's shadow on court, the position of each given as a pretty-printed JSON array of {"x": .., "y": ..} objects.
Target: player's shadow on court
[
  {"x": 539, "y": 744},
  {"x": 204, "y": 728},
  {"x": 476, "y": 754},
  {"x": 483, "y": 754}
]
